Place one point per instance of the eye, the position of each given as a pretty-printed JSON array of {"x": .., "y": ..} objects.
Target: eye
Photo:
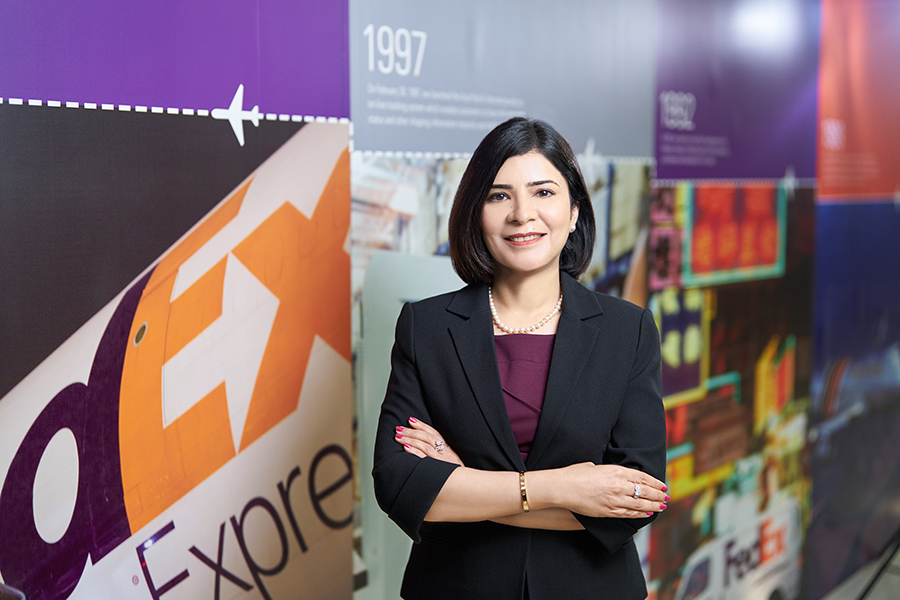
[
  {"x": 497, "y": 197},
  {"x": 545, "y": 193}
]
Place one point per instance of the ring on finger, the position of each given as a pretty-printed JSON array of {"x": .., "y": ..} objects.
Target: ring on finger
[
  {"x": 439, "y": 445},
  {"x": 637, "y": 491}
]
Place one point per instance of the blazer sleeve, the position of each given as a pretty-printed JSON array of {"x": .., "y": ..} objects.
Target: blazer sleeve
[
  {"x": 638, "y": 439},
  {"x": 405, "y": 485}
]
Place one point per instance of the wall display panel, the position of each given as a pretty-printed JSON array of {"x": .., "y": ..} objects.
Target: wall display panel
[
  {"x": 858, "y": 111},
  {"x": 855, "y": 402},
  {"x": 175, "y": 185},
  {"x": 736, "y": 89},
  {"x": 437, "y": 77},
  {"x": 290, "y": 57},
  {"x": 176, "y": 434},
  {"x": 736, "y": 380}
]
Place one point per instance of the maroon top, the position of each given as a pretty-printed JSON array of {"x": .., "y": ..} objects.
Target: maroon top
[{"x": 524, "y": 361}]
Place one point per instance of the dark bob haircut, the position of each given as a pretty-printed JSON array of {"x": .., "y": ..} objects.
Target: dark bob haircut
[{"x": 515, "y": 137}]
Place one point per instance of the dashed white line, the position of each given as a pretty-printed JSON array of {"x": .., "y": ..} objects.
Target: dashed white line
[
  {"x": 409, "y": 154},
  {"x": 200, "y": 112}
]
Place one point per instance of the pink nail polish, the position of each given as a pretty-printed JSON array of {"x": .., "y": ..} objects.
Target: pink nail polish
[
  {"x": 399, "y": 436},
  {"x": 662, "y": 507},
  {"x": 665, "y": 489},
  {"x": 407, "y": 446},
  {"x": 398, "y": 428},
  {"x": 413, "y": 420},
  {"x": 668, "y": 499},
  {"x": 649, "y": 514}
]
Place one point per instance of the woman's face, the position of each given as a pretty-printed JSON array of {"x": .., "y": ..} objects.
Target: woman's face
[{"x": 527, "y": 216}]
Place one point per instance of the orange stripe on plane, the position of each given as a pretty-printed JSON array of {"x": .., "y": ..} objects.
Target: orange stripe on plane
[{"x": 160, "y": 465}]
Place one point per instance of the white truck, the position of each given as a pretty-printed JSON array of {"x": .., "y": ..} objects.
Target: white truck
[{"x": 761, "y": 561}]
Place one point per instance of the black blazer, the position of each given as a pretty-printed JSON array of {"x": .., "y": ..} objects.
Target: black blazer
[{"x": 603, "y": 404}]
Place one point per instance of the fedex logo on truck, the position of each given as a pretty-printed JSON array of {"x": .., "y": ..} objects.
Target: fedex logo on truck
[
  {"x": 186, "y": 376},
  {"x": 768, "y": 545}
]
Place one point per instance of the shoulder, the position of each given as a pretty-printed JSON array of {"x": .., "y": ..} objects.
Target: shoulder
[
  {"x": 619, "y": 307},
  {"x": 462, "y": 302},
  {"x": 589, "y": 303},
  {"x": 624, "y": 324},
  {"x": 434, "y": 303},
  {"x": 438, "y": 312}
]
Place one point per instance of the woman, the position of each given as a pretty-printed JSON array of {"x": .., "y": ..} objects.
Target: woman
[{"x": 522, "y": 464}]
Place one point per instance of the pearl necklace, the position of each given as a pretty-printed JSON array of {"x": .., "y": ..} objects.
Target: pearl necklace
[{"x": 537, "y": 325}]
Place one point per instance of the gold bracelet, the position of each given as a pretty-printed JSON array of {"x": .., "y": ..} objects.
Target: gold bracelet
[{"x": 524, "y": 491}]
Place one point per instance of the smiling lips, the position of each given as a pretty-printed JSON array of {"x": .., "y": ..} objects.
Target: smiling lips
[{"x": 524, "y": 240}]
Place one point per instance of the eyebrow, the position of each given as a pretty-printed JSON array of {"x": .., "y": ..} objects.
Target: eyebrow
[{"x": 503, "y": 186}]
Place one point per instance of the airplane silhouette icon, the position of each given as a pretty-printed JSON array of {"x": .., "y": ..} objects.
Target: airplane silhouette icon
[{"x": 236, "y": 114}]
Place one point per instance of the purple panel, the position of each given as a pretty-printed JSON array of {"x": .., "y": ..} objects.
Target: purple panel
[
  {"x": 291, "y": 56},
  {"x": 737, "y": 88}
]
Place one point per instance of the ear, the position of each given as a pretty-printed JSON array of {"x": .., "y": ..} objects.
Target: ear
[{"x": 573, "y": 218}]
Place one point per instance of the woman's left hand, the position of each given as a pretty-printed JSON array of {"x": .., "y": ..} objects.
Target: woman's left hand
[{"x": 424, "y": 440}]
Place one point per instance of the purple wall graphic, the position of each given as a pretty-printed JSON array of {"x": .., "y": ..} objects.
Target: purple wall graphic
[
  {"x": 291, "y": 57},
  {"x": 736, "y": 89}
]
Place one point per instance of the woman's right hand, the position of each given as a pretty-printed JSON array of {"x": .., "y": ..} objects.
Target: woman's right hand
[
  {"x": 421, "y": 439},
  {"x": 609, "y": 491}
]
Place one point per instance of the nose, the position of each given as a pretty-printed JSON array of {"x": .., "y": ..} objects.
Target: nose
[{"x": 522, "y": 210}]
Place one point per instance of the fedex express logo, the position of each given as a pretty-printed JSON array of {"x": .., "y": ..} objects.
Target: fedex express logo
[
  {"x": 150, "y": 425},
  {"x": 769, "y": 544}
]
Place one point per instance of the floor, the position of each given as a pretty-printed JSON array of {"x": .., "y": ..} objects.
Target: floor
[{"x": 887, "y": 587}]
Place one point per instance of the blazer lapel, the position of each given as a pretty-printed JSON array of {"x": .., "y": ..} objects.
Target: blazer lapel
[
  {"x": 576, "y": 335},
  {"x": 473, "y": 338}
]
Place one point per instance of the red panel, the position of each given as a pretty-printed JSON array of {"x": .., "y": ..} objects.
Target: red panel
[{"x": 858, "y": 113}]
